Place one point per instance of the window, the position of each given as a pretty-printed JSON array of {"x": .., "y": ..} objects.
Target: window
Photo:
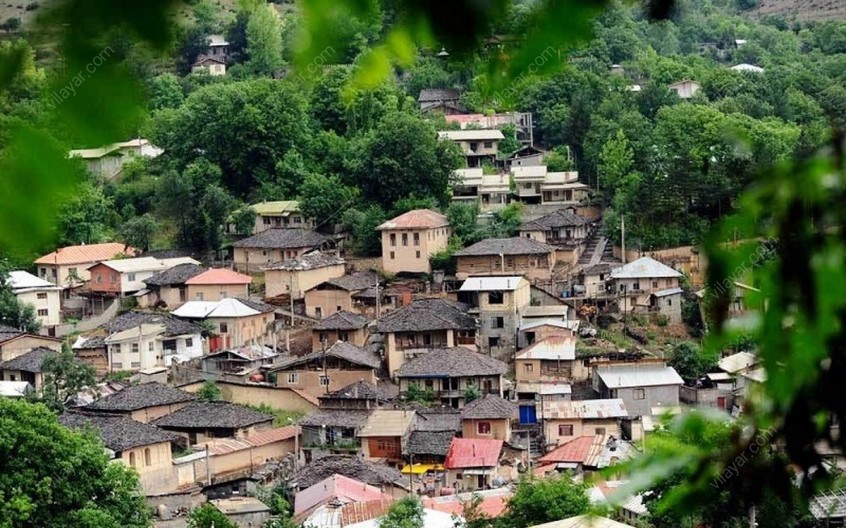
[
  {"x": 318, "y": 311},
  {"x": 132, "y": 458},
  {"x": 148, "y": 457},
  {"x": 223, "y": 295},
  {"x": 416, "y": 239},
  {"x": 42, "y": 312},
  {"x": 497, "y": 322},
  {"x": 496, "y": 297},
  {"x": 337, "y": 308},
  {"x": 484, "y": 428},
  {"x": 488, "y": 144},
  {"x": 509, "y": 262},
  {"x": 487, "y": 385},
  {"x": 528, "y": 367},
  {"x": 323, "y": 337},
  {"x": 405, "y": 239},
  {"x": 636, "y": 286},
  {"x": 41, "y": 296},
  {"x": 668, "y": 282},
  {"x": 565, "y": 430},
  {"x": 324, "y": 381},
  {"x": 130, "y": 277},
  {"x": 416, "y": 254},
  {"x": 135, "y": 364},
  {"x": 474, "y": 146},
  {"x": 654, "y": 284},
  {"x": 135, "y": 348},
  {"x": 393, "y": 239},
  {"x": 224, "y": 328},
  {"x": 493, "y": 341},
  {"x": 669, "y": 302},
  {"x": 599, "y": 430},
  {"x": 343, "y": 336},
  {"x": 639, "y": 394},
  {"x": 392, "y": 255},
  {"x": 116, "y": 348},
  {"x": 430, "y": 384},
  {"x": 293, "y": 378},
  {"x": 99, "y": 278},
  {"x": 117, "y": 365},
  {"x": 199, "y": 296},
  {"x": 151, "y": 346},
  {"x": 189, "y": 342},
  {"x": 298, "y": 220}
]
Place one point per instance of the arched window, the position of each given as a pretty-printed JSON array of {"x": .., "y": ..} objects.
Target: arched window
[
  {"x": 148, "y": 457},
  {"x": 132, "y": 458}
]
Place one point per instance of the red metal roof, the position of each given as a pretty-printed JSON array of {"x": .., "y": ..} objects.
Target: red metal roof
[
  {"x": 86, "y": 253},
  {"x": 576, "y": 450},
  {"x": 337, "y": 487},
  {"x": 272, "y": 435},
  {"x": 492, "y": 506},
  {"x": 219, "y": 276},
  {"x": 416, "y": 219},
  {"x": 473, "y": 453}
]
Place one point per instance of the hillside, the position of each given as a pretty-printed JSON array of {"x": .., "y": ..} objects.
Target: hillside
[{"x": 816, "y": 10}]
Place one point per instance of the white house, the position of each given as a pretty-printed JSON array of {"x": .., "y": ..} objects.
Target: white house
[
  {"x": 142, "y": 340},
  {"x": 40, "y": 294},
  {"x": 124, "y": 276},
  {"x": 107, "y": 162},
  {"x": 685, "y": 89},
  {"x": 646, "y": 285}
]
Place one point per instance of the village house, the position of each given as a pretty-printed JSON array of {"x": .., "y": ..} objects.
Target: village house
[
  {"x": 472, "y": 463},
  {"x": 326, "y": 499},
  {"x": 478, "y": 146},
  {"x": 107, "y": 162},
  {"x": 563, "y": 229},
  {"x": 201, "y": 421},
  {"x": 340, "y": 326},
  {"x": 642, "y": 386},
  {"x": 535, "y": 185},
  {"x": 68, "y": 266},
  {"x": 144, "y": 403},
  {"x": 239, "y": 361},
  {"x": 535, "y": 329},
  {"x": 736, "y": 367},
  {"x": 138, "y": 445},
  {"x": 647, "y": 286},
  {"x": 450, "y": 373},
  {"x": 384, "y": 477},
  {"x": 585, "y": 453},
  {"x": 43, "y": 296},
  {"x": 321, "y": 372},
  {"x": 491, "y": 191},
  {"x": 209, "y": 65},
  {"x": 340, "y": 416},
  {"x": 685, "y": 89},
  {"x": 522, "y": 122},
  {"x": 553, "y": 358},
  {"x": 431, "y": 435},
  {"x": 385, "y": 434},
  {"x": 503, "y": 256},
  {"x": 27, "y": 367},
  {"x": 343, "y": 293},
  {"x": 594, "y": 278},
  {"x": 424, "y": 324},
  {"x": 565, "y": 420},
  {"x": 143, "y": 340},
  {"x": 299, "y": 275},
  {"x": 443, "y": 100},
  {"x": 277, "y": 214},
  {"x": 498, "y": 302},
  {"x": 91, "y": 350},
  {"x": 488, "y": 417},
  {"x": 411, "y": 238},
  {"x": 217, "y": 284},
  {"x": 236, "y": 322},
  {"x": 126, "y": 276},
  {"x": 14, "y": 342},
  {"x": 254, "y": 253},
  {"x": 167, "y": 288}
]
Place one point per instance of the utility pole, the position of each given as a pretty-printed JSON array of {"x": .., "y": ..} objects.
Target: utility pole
[
  {"x": 378, "y": 299},
  {"x": 291, "y": 307},
  {"x": 325, "y": 374},
  {"x": 623, "y": 236}
]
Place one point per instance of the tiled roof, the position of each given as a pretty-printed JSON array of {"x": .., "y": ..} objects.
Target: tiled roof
[
  {"x": 434, "y": 443},
  {"x": 346, "y": 418},
  {"x": 576, "y": 450},
  {"x": 490, "y": 407},
  {"x": 348, "y": 465},
  {"x": 222, "y": 446},
  {"x": 287, "y": 238},
  {"x": 173, "y": 325},
  {"x": 175, "y": 275},
  {"x": 428, "y": 95},
  {"x": 86, "y": 253},
  {"x": 357, "y": 281},
  {"x": 118, "y": 432},
  {"x": 7, "y": 333},
  {"x": 452, "y": 362},
  {"x": 342, "y": 320},
  {"x": 505, "y": 246},
  {"x": 473, "y": 453},
  {"x": 550, "y": 349},
  {"x": 359, "y": 390},
  {"x": 438, "y": 419},
  {"x": 416, "y": 219},
  {"x": 30, "y": 361},
  {"x": 387, "y": 422},
  {"x": 141, "y": 396},
  {"x": 555, "y": 219},
  {"x": 341, "y": 350},
  {"x": 599, "y": 269},
  {"x": 308, "y": 261},
  {"x": 220, "y": 276},
  {"x": 213, "y": 415},
  {"x": 425, "y": 315}
]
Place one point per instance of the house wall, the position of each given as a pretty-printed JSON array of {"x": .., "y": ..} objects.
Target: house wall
[
  {"x": 148, "y": 414},
  {"x": 47, "y": 304},
  {"x": 480, "y": 148},
  {"x": 703, "y": 397},
  {"x": 278, "y": 282},
  {"x": 531, "y": 266},
  {"x": 132, "y": 282},
  {"x": 309, "y": 380},
  {"x": 509, "y": 311},
  {"x": 689, "y": 260},
  {"x": 276, "y": 397},
  {"x": 239, "y": 330},
  {"x": 660, "y": 396},
  {"x": 500, "y": 429},
  {"x": 250, "y": 458},
  {"x": 59, "y": 274},
  {"x": 150, "y": 351},
  {"x": 36, "y": 379},
  {"x": 670, "y": 306},
  {"x": 173, "y": 296},
  {"x": 639, "y": 290},
  {"x": 21, "y": 345},
  {"x": 581, "y": 427},
  {"x": 595, "y": 284},
  {"x": 254, "y": 259},
  {"x": 294, "y": 219},
  {"x": 104, "y": 280},
  {"x": 445, "y": 393},
  {"x": 396, "y": 346},
  {"x": 376, "y": 447},
  {"x": 154, "y": 466},
  {"x": 413, "y": 256},
  {"x": 355, "y": 337},
  {"x": 550, "y": 370},
  {"x": 323, "y": 303},
  {"x": 542, "y": 332},
  {"x": 455, "y": 478},
  {"x": 216, "y": 292},
  {"x": 96, "y": 357}
]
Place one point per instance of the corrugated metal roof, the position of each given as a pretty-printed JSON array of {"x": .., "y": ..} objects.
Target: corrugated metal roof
[
  {"x": 471, "y": 135},
  {"x": 336, "y": 488},
  {"x": 530, "y": 171},
  {"x": 620, "y": 376},
  {"x": 473, "y": 453},
  {"x": 224, "y": 308},
  {"x": 492, "y": 283},
  {"x": 670, "y": 291},
  {"x": 383, "y": 422},
  {"x": 86, "y": 253},
  {"x": 416, "y": 219},
  {"x": 737, "y": 362},
  {"x": 276, "y": 208},
  {"x": 551, "y": 348},
  {"x": 220, "y": 276},
  {"x": 22, "y": 280},
  {"x": 134, "y": 265},
  {"x": 644, "y": 268},
  {"x": 584, "y": 409},
  {"x": 14, "y": 389},
  {"x": 576, "y": 450},
  {"x": 569, "y": 324},
  {"x": 544, "y": 388},
  {"x": 584, "y": 521}
]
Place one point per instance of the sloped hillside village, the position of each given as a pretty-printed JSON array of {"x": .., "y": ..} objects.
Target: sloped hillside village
[{"x": 545, "y": 352}]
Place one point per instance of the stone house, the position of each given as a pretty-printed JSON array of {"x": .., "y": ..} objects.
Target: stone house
[
  {"x": 92, "y": 351},
  {"x": 498, "y": 302},
  {"x": 349, "y": 293},
  {"x": 450, "y": 372},
  {"x": 142, "y": 340},
  {"x": 69, "y": 265},
  {"x": 431, "y": 435},
  {"x": 423, "y": 325},
  {"x": 565, "y": 420},
  {"x": 340, "y": 416},
  {"x": 648, "y": 286},
  {"x": 563, "y": 229},
  {"x": 236, "y": 322},
  {"x": 321, "y": 372},
  {"x": 168, "y": 288},
  {"x": 301, "y": 274},
  {"x": 478, "y": 146},
  {"x": 593, "y": 279},
  {"x": 340, "y": 326},
  {"x": 488, "y": 417},
  {"x": 126, "y": 276},
  {"x": 42, "y": 295},
  {"x": 143, "y": 403},
  {"x": 472, "y": 463},
  {"x": 411, "y": 238},
  {"x": 216, "y": 284},
  {"x": 202, "y": 421},
  {"x": 503, "y": 256},
  {"x": 642, "y": 386},
  {"x": 254, "y": 253},
  {"x": 27, "y": 367},
  {"x": 385, "y": 434}
]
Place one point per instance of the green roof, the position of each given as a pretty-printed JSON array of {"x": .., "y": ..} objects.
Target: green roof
[{"x": 276, "y": 208}]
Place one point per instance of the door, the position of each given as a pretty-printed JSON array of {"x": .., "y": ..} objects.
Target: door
[
  {"x": 528, "y": 415},
  {"x": 721, "y": 402}
]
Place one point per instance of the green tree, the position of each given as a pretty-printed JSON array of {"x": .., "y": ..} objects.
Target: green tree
[
  {"x": 215, "y": 205},
  {"x": 615, "y": 161},
  {"x": 690, "y": 362},
  {"x": 471, "y": 393},
  {"x": 207, "y": 516},
  {"x": 14, "y": 312},
  {"x": 472, "y": 515},
  {"x": 53, "y": 476},
  {"x": 404, "y": 513},
  {"x": 463, "y": 222},
  {"x": 64, "y": 377},
  {"x": 209, "y": 392},
  {"x": 11, "y": 25},
  {"x": 509, "y": 145},
  {"x": 264, "y": 40},
  {"x": 165, "y": 92},
  {"x": 362, "y": 224},
  {"x": 416, "y": 393},
  {"x": 85, "y": 217},
  {"x": 323, "y": 198},
  {"x": 138, "y": 231},
  {"x": 244, "y": 219},
  {"x": 540, "y": 501}
]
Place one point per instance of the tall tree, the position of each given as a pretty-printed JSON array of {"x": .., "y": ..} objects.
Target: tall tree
[
  {"x": 541, "y": 501},
  {"x": 324, "y": 198},
  {"x": 264, "y": 40},
  {"x": 404, "y": 513},
  {"x": 615, "y": 161},
  {"x": 207, "y": 516},
  {"x": 138, "y": 231},
  {"x": 64, "y": 377},
  {"x": 85, "y": 218}
]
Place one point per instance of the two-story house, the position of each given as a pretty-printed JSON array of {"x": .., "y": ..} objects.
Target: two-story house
[
  {"x": 28, "y": 367},
  {"x": 344, "y": 293},
  {"x": 340, "y": 326},
  {"x": 252, "y": 254},
  {"x": 217, "y": 284},
  {"x": 498, "y": 302},
  {"x": 503, "y": 256},
  {"x": 648, "y": 286},
  {"x": 236, "y": 322},
  {"x": 68, "y": 266},
  {"x": 299, "y": 275},
  {"x": 643, "y": 386},
  {"x": 168, "y": 288},
  {"x": 14, "y": 342},
  {"x": 451, "y": 373},
  {"x": 563, "y": 229},
  {"x": 284, "y": 213},
  {"x": 143, "y": 340},
  {"x": 553, "y": 358},
  {"x": 385, "y": 434},
  {"x": 566, "y": 420},
  {"x": 201, "y": 421},
  {"x": 341, "y": 414},
  {"x": 478, "y": 146},
  {"x": 126, "y": 276},
  {"x": 472, "y": 463},
  {"x": 106, "y": 163},
  {"x": 488, "y": 417},
  {"x": 534, "y": 184},
  {"x": 411, "y": 238},
  {"x": 144, "y": 403},
  {"x": 321, "y": 372},
  {"x": 42, "y": 295},
  {"x": 424, "y": 324}
]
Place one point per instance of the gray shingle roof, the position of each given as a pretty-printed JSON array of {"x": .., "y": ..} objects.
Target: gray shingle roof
[
  {"x": 446, "y": 419},
  {"x": 7, "y": 333},
  {"x": 309, "y": 261},
  {"x": 287, "y": 238},
  {"x": 118, "y": 433},
  {"x": 258, "y": 306},
  {"x": 212, "y": 415},
  {"x": 349, "y": 466},
  {"x": 136, "y": 397},
  {"x": 345, "y": 418},
  {"x": 559, "y": 218},
  {"x": 453, "y": 363},
  {"x": 428, "y": 95},
  {"x": 505, "y": 246},
  {"x": 175, "y": 275},
  {"x": 29, "y": 361},
  {"x": 427, "y": 314},
  {"x": 490, "y": 407},
  {"x": 340, "y": 350},
  {"x": 360, "y": 280},
  {"x": 173, "y": 325},
  {"x": 360, "y": 390},
  {"x": 342, "y": 320},
  {"x": 435, "y": 443}
]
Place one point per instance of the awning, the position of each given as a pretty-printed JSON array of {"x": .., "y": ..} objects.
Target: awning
[
  {"x": 477, "y": 471},
  {"x": 419, "y": 469}
]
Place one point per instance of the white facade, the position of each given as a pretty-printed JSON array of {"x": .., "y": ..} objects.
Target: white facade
[
  {"x": 40, "y": 294},
  {"x": 145, "y": 346}
]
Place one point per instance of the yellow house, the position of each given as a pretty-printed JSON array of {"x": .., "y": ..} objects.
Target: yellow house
[
  {"x": 351, "y": 293},
  {"x": 236, "y": 322},
  {"x": 564, "y": 420},
  {"x": 217, "y": 284},
  {"x": 411, "y": 238},
  {"x": 321, "y": 372},
  {"x": 340, "y": 326},
  {"x": 144, "y": 403},
  {"x": 503, "y": 256},
  {"x": 488, "y": 417},
  {"x": 301, "y": 274},
  {"x": 43, "y": 296},
  {"x": 27, "y": 367},
  {"x": 255, "y": 253}
]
